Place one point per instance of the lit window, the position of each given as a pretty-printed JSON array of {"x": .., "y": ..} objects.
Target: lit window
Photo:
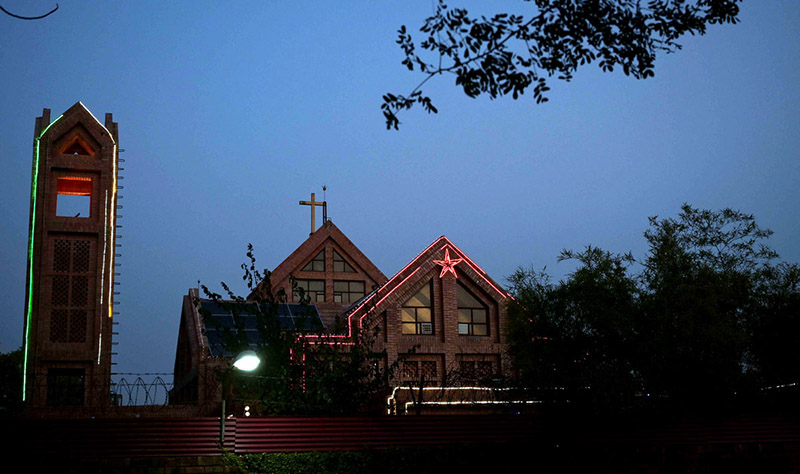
[
  {"x": 73, "y": 196},
  {"x": 317, "y": 264},
  {"x": 312, "y": 290},
  {"x": 417, "y": 317},
  {"x": 347, "y": 291},
  {"x": 472, "y": 315},
  {"x": 340, "y": 265}
]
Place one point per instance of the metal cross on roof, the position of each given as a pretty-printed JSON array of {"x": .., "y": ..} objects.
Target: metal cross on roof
[{"x": 314, "y": 203}]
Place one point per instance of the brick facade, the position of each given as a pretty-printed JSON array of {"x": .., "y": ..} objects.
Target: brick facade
[
  {"x": 329, "y": 240},
  {"x": 195, "y": 379},
  {"x": 70, "y": 290},
  {"x": 446, "y": 346},
  {"x": 447, "y": 351}
]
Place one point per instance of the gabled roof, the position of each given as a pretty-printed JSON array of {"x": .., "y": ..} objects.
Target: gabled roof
[
  {"x": 307, "y": 250},
  {"x": 79, "y": 114},
  {"x": 442, "y": 249}
]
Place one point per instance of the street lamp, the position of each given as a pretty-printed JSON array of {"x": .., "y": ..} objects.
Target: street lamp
[{"x": 246, "y": 361}]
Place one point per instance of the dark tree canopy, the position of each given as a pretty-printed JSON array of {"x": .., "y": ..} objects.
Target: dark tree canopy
[
  {"x": 578, "y": 333},
  {"x": 11, "y": 384},
  {"x": 509, "y": 54},
  {"x": 708, "y": 321}
]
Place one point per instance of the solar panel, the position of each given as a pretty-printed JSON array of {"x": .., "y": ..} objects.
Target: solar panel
[{"x": 291, "y": 317}]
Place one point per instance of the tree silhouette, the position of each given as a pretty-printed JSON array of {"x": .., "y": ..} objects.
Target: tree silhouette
[
  {"x": 509, "y": 53},
  {"x": 708, "y": 321}
]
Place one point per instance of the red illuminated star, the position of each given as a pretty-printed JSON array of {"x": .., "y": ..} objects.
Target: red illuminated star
[{"x": 448, "y": 264}]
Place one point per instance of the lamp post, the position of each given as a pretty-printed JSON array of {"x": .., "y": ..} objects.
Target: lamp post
[{"x": 246, "y": 361}]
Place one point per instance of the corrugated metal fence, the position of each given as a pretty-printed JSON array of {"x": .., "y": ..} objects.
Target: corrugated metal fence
[
  {"x": 199, "y": 436},
  {"x": 314, "y": 434}
]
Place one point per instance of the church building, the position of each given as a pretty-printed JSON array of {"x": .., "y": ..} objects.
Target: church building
[
  {"x": 441, "y": 316},
  {"x": 441, "y": 304}
]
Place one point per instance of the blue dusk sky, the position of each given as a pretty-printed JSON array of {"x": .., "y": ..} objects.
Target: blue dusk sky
[{"x": 232, "y": 112}]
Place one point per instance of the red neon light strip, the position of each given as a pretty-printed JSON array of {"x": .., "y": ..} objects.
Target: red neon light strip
[
  {"x": 317, "y": 343},
  {"x": 361, "y": 319},
  {"x": 395, "y": 288},
  {"x": 397, "y": 275},
  {"x": 74, "y": 186},
  {"x": 477, "y": 269}
]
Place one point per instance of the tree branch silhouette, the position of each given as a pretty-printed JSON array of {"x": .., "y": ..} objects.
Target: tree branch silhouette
[
  {"x": 20, "y": 17},
  {"x": 509, "y": 53}
]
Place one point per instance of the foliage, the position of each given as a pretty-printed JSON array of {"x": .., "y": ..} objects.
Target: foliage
[
  {"x": 509, "y": 54},
  {"x": 412, "y": 460},
  {"x": 563, "y": 446},
  {"x": 11, "y": 383},
  {"x": 331, "y": 377},
  {"x": 700, "y": 277},
  {"x": 707, "y": 317},
  {"x": 775, "y": 325},
  {"x": 577, "y": 334}
]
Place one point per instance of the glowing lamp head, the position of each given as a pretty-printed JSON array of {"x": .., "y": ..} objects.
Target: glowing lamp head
[{"x": 247, "y": 361}]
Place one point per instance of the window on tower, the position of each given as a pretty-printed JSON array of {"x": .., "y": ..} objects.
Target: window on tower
[{"x": 74, "y": 196}]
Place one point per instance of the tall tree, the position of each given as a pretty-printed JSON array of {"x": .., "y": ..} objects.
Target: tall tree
[
  {"x": 775, "y": 328},
  {"x": 708, "y": 316},
  {"x": 573, "y": 341},
  {"x": 700, "y": 277},
  {"x": 510, "y": 53}
]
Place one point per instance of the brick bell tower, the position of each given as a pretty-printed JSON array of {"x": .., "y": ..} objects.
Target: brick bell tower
[{"x": 71, "y": 248}]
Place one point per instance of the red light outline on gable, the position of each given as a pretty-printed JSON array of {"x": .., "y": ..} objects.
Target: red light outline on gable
[
  {"x": 477, "y": 269},
  {"x": 375, "y": 293}
]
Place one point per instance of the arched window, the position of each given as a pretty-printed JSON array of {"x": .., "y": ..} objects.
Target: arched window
[
  {"x": 418, "y": 312},
  {"x": 473, "y": 316}
]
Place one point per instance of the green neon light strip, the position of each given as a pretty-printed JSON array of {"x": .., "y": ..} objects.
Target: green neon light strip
[{"x": 31, "y": 236}]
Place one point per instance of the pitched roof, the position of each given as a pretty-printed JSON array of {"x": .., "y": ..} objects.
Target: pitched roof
[
  {"x": 307, "y": 249},
  {"x": 433, "y": 255}
]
